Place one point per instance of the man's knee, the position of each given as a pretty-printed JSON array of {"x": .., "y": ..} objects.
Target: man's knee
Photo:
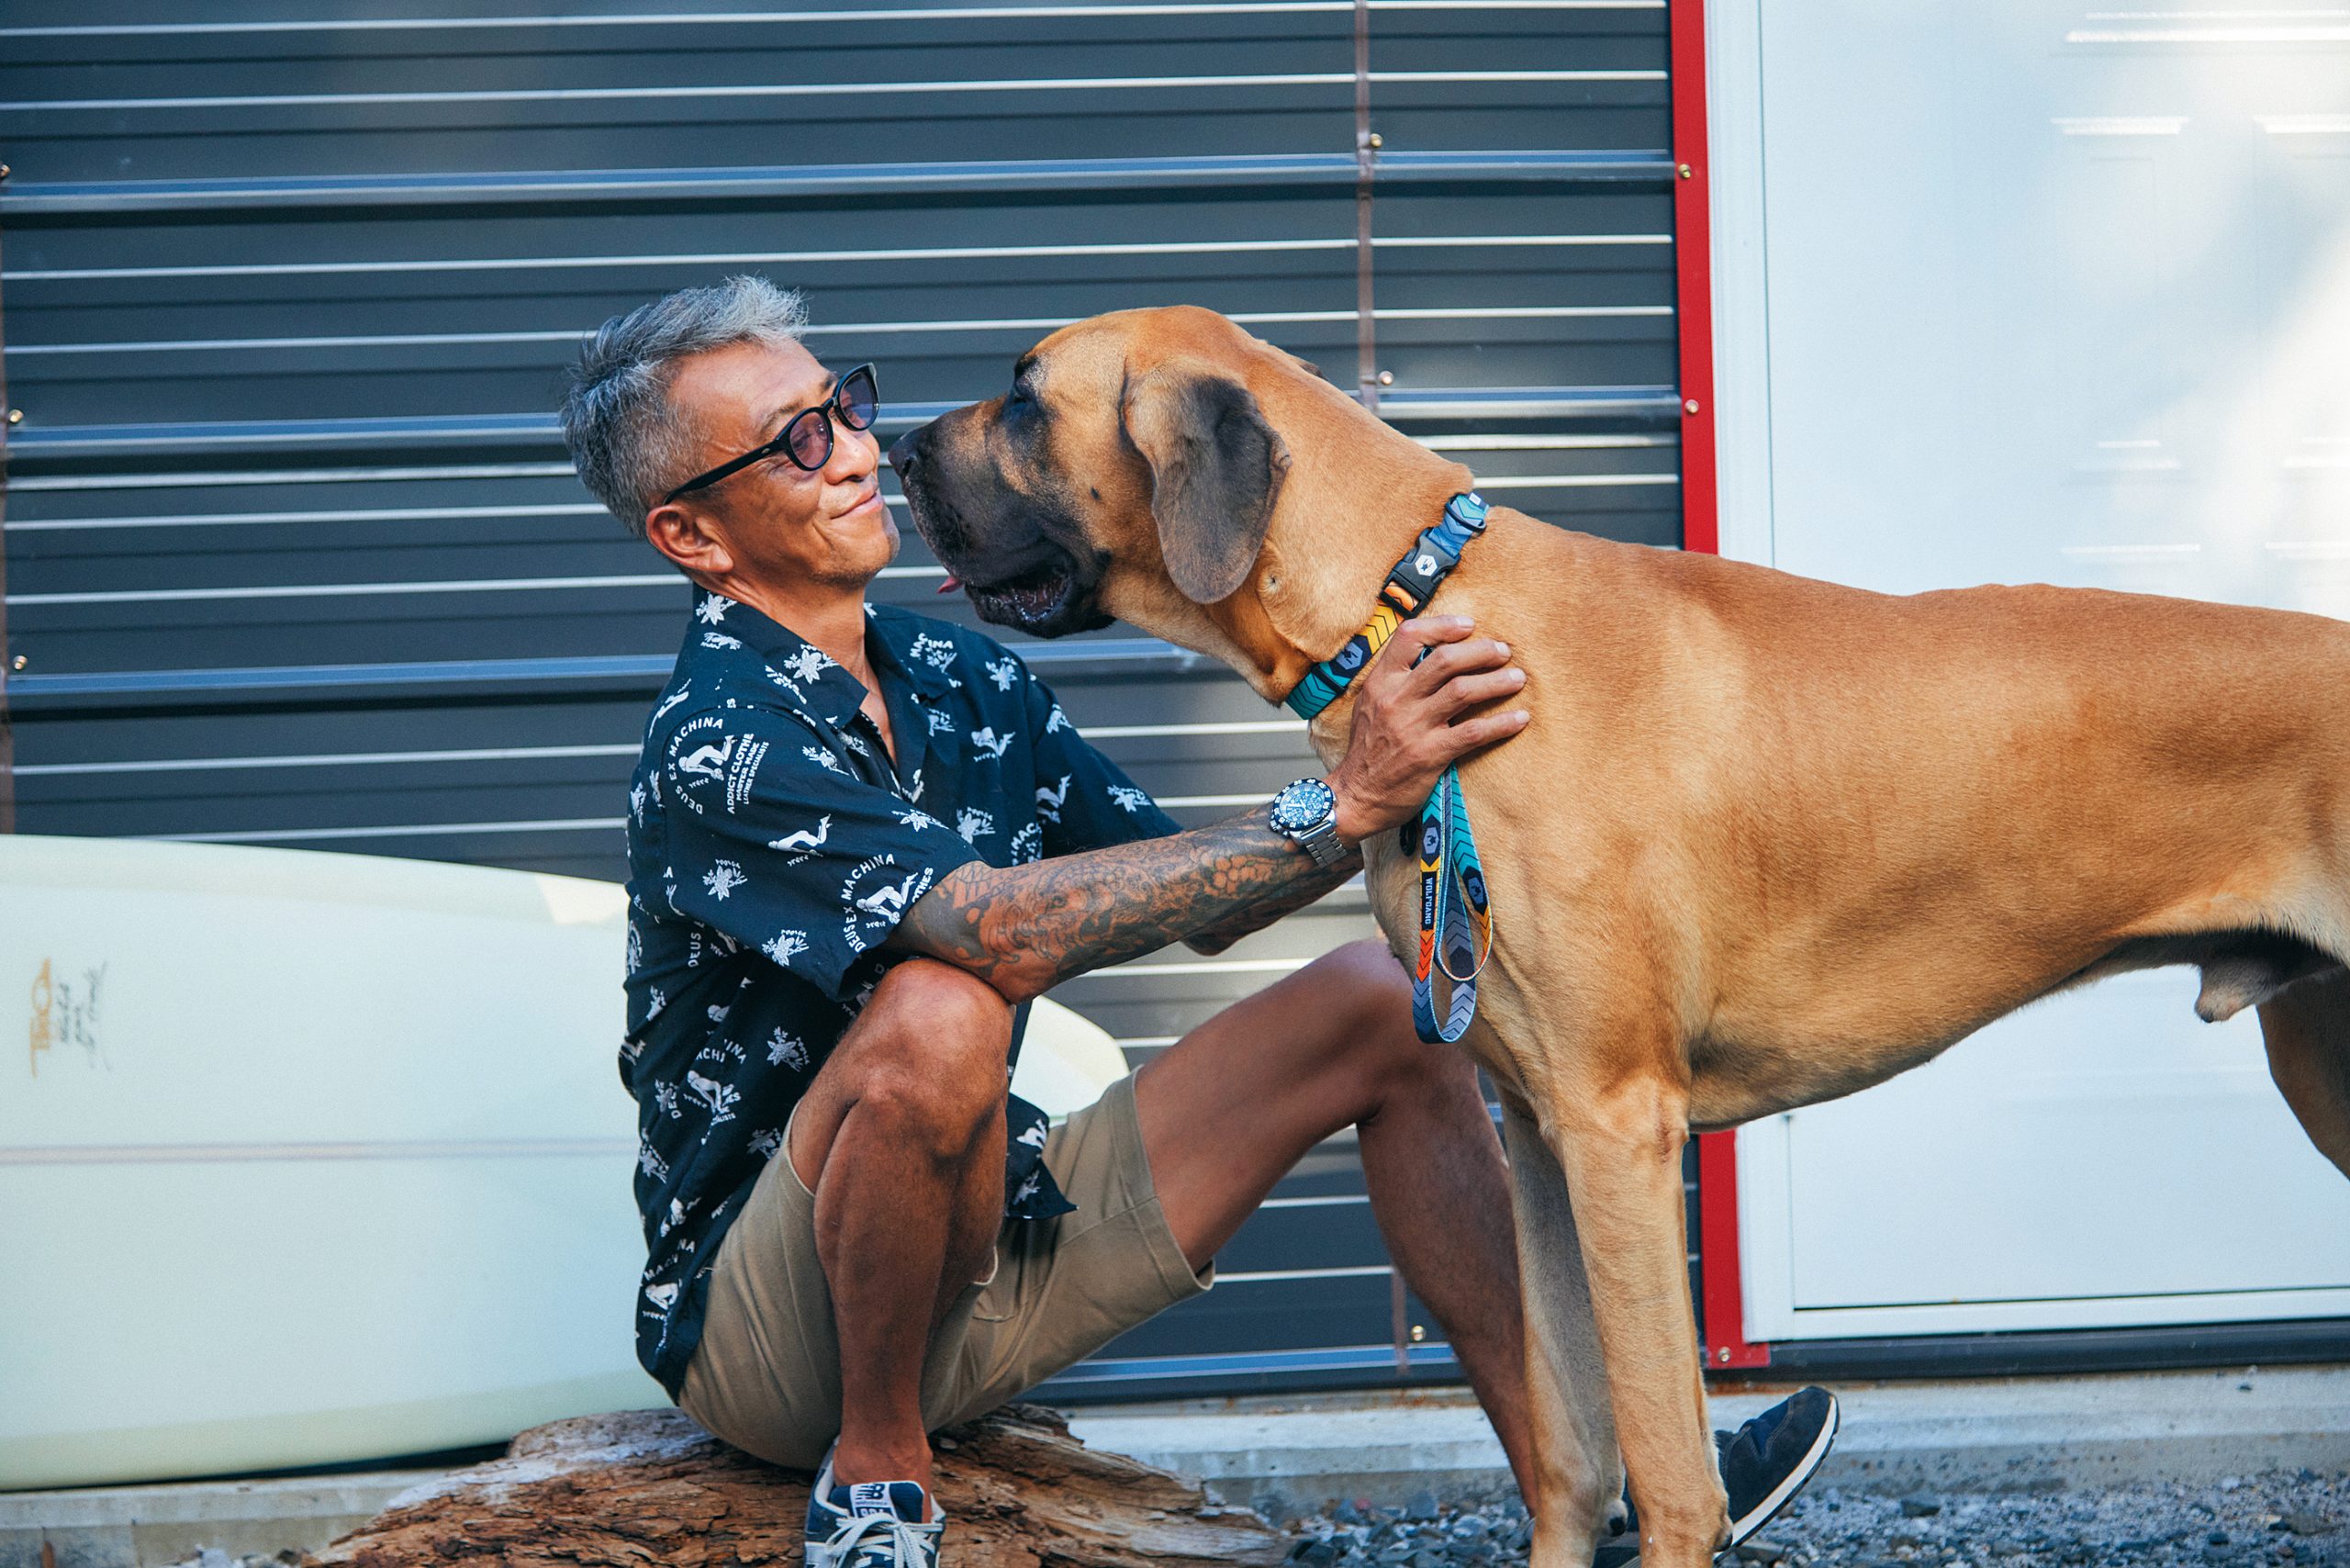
[
  {"x": 925, "y": 998},
  {"x": 1371, "y": 1011},
  {"x": 932, "y": 1054},
  {"x": 1369, "y": 991}
]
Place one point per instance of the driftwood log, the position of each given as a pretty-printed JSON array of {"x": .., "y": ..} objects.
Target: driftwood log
[{"x": 649, "y": 1487}]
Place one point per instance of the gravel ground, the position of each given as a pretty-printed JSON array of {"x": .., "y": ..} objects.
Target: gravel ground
[{"x": 2281, "y": 1520}]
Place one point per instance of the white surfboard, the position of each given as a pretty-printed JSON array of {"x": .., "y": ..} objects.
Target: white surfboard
[{"x": 311, "y": 1158}]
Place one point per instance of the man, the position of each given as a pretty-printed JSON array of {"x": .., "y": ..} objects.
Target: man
[{"x": 860, "y": 841}]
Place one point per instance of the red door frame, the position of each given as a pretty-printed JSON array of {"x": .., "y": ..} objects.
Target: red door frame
[{"x": 1725, "y": 1342}]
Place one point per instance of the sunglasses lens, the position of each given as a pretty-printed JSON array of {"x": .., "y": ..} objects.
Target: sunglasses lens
[
  {"x": 860, "y": 399},
  {"x": 810, "y": 438}
]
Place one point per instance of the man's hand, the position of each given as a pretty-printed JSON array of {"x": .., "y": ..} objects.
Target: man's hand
[
  {"x": 1408, "y": 726},
  {"x": 1024, "y": 929}
]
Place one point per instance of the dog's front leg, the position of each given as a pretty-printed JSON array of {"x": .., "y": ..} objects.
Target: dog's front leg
[
  {"x": 1579, "y": 1473},
  {"x": 1619, "y": 1137}
]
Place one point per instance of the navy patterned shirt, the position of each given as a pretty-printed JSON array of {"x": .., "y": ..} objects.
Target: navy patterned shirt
[{"x": 773, "y": 845}]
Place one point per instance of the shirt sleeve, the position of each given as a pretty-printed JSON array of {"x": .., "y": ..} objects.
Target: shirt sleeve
[
  {"x": 1084, "y": 800},
  {"x": 777, "y": 843}
]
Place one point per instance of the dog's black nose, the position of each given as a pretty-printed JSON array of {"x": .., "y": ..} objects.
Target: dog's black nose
[{"x": 903, "y": 452}]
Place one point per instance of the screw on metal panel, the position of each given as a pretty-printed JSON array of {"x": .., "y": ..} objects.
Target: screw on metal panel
[
  {"x": 1722, "y": 1354},
  {"x": 1419, "y": 1333},
  {"x": 1690, "y": 406},
  {"x": 1387, "y": 379},
  {"x": 20, "y": 662},
  {"x": 1687, "y": 172},
  {"x": 1375, "y": 142},
  {"x": 16, "y": 416},
  {"x": 4, "y": 171}
]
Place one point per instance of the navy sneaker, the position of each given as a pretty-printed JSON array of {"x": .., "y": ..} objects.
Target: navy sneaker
[
  {"x": 870, "y": 1524},
  {"x": 1764, "y": 1463}
]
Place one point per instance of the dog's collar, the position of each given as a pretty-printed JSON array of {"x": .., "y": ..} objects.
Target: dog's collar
[
  {"x": 1456, "y": 923},
  {"x": 1404, "y": 594}
]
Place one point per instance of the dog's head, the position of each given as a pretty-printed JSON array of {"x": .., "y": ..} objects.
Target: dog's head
[{"x": 1132, "y": 472}]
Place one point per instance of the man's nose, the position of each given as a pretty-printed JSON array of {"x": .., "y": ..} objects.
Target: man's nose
[{"x": 854, "y": 453}]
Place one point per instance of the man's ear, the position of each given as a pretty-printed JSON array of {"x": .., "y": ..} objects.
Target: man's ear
[
  {"x": 683, "y": 533},
  {"x": 1215, "y": 469}
]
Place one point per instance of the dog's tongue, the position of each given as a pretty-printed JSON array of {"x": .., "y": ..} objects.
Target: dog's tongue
[{"x": 951, "y": 584}]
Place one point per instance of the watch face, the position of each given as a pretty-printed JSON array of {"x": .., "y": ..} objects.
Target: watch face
[{"x": 1301, "y": 805}]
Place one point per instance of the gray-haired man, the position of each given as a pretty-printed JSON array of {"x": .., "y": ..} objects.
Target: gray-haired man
[{"x": 860, "y": 841}]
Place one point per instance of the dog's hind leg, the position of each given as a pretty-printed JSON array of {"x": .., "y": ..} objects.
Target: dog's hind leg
[
  {"x": 2307, "y": 1026},
  {"x": 1579, "y": 1472}
]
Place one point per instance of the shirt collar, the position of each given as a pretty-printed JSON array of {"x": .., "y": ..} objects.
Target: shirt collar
[
  {"x": 823, "y": 686},
  {"x": 899, "y": 645}
]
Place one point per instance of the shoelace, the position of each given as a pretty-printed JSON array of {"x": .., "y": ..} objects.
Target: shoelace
[{"x": 906, "y": 1544}]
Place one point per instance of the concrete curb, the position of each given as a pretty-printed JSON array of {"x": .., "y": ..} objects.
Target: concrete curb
[
  {"x": 141, "y": 1527},
  {"x": 2022, "y": 1434}
]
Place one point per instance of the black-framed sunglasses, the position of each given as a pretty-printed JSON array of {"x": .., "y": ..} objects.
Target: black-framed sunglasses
[{"x": 807, "y": 438}]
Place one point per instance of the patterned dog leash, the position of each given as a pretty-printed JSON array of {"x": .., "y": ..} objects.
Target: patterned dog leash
[{"x": 1456, "y": 921}]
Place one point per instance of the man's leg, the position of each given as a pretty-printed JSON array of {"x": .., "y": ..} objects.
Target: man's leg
[
  {"x": 901, "y": 1137},
  {"x": 1232, "y": 1105}
]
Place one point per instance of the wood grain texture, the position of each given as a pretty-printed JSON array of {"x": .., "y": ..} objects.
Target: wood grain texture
[{"x": 649, "y": 1487}]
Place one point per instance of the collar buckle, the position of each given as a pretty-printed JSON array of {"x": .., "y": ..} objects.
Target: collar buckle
[{"x": 1410, "y": 585}]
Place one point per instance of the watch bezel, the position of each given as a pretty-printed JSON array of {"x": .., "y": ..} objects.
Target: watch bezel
[{"x": 1303, "y": 805}]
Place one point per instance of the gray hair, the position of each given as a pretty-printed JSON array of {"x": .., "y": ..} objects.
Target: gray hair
[{"x": 627, "y": 442}]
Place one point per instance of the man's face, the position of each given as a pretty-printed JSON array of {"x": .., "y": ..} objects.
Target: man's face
[{"x": 779, "y": 526}]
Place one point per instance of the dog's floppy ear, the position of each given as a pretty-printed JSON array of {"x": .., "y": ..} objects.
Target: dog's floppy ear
[{"x": 1215, "y": 468}]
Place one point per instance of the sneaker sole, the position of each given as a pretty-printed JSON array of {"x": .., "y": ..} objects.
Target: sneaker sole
[
  {"x": 1764, "y": 1512},
  {"x": 1744, "y": 1528}
]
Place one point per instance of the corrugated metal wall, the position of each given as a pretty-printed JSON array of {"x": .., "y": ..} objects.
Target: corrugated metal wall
[{"x": 291, "y": 552}]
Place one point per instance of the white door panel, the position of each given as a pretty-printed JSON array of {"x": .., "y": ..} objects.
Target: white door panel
[
  {"x": 2028, "y": 292},
  {"x": 2104, "y": 1145}
]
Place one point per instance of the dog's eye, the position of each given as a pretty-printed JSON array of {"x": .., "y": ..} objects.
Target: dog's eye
[{"x": 1018, "y": 396}]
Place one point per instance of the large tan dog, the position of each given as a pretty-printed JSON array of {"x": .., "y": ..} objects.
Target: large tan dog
[{"x": 1767, "y": 840}]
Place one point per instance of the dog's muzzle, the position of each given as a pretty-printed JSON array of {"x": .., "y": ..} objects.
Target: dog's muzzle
[{"x": 1030, "y": 583}]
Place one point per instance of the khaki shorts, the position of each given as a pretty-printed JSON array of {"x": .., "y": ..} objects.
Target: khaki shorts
[{"x": 767, "y": 1376}]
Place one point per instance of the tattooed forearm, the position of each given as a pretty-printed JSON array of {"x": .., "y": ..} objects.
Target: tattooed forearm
[
  {"x": 1258, "y": 916},
  {"x": 1027, "y": 928}
]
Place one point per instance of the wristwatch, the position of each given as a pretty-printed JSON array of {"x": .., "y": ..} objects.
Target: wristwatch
[{"x": 1307, "y": 812}]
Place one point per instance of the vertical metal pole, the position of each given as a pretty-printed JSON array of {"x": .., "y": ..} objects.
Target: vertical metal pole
[
  {"x": 1367, "y": 388},
  {"x": 1693, "y": 268},
  {"x": 7, "y": 730},
  {"x": 1727, "y": 1347},
  {"x": 1365, "y": 325}
]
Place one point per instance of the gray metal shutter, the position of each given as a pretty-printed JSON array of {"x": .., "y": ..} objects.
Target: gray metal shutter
[{"x": 293, "y": 555}]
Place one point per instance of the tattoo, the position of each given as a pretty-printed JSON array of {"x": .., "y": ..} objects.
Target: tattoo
[
  {"x": 1256, "y": 917},
  {"x": 1027, "y": 928}
]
